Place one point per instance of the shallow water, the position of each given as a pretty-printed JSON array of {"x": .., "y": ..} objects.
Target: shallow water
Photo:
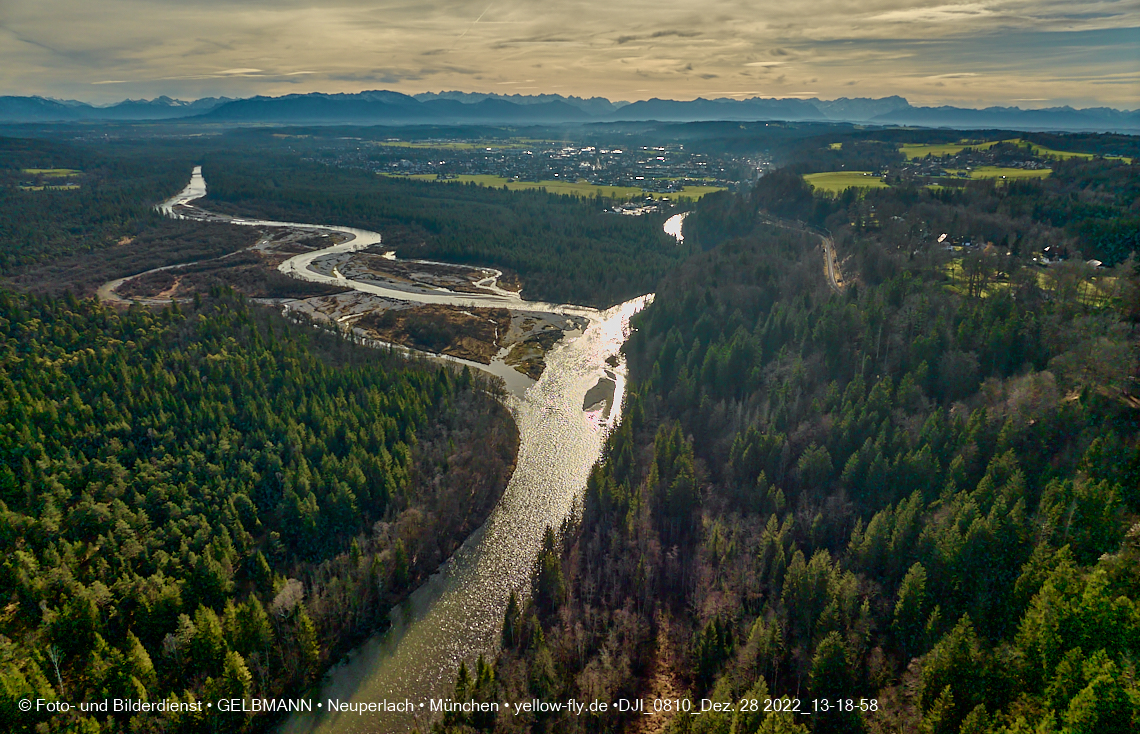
[{"x": 673, "y": 226}]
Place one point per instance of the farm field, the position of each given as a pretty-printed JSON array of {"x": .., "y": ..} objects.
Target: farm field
[
  {"x": 835, "y": 182},
  {"x": 577, "y": 188},
  {"x": 1003, "y": 172},
  {"x": 52, "y": 172},
  {"x": 445, "y": 145},
  {"x": 921, "y": 150},
  {"x": 1065, "y": 155},
  {"x": 690, "y": 192}
]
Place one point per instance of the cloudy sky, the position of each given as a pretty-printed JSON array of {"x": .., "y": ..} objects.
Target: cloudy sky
[{"x": 1030, "y": 53}]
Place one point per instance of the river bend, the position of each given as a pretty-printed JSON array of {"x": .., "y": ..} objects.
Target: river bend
[{"x": 458, "y": 613}]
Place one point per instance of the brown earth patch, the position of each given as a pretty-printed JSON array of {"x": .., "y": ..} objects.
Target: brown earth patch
[
  {"x": 468, "y": 333},
  {"x": 250, "y": 273},
  {"x": 529, "y": 355}
]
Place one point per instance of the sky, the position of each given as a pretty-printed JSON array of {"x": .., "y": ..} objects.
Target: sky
[{"x": 1028, "y": 53}]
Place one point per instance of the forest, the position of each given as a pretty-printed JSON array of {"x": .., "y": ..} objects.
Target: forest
[
  {"x": 115, "y": 197},
  {"x": 916, "y": 494},
  {"x": 1085, "y": 208},
  {"x": 207, "y": 502}
]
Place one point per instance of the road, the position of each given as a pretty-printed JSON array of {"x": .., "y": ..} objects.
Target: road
[
  {"x": 834, "y": 276},
  {"x": 830, "y": 259}
]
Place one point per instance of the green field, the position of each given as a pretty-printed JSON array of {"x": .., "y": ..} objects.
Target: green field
[
  {"x": 52, "y": 172},
  {"x": 1093, "y": 290},
  {"x": 919, "y": 150},
  {"x": 1004, "y": 173},
  {"x": 690, "y": 192},
  {"x": 1065, "y": 155},
  {"x": 835, "y": 182},
  {"x": 447, "y": 145},
  {"x": 577, "y": 188},
  {"x": 835, "y": 146}
]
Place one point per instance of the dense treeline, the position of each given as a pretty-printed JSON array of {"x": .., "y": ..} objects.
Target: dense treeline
[
  {"x": 115, "y": 198},
  {"x": 565, "y": 249},
  {"x": 211, "y": 502},
  {"x": 1085, "y": 209},
  {"x": 164, "y": 242},
  {"x": 908, "y": 492}
]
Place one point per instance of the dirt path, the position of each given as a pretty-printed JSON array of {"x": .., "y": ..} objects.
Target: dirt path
[
  {"x": 834, "y": 276},
  {"x": 662, "y": 682}
]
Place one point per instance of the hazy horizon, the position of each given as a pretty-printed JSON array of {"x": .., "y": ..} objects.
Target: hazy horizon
[{"x": 1026, "y": 53}]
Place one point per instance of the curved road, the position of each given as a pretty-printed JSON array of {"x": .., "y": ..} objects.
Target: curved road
[{"x": 830, "y": 258}]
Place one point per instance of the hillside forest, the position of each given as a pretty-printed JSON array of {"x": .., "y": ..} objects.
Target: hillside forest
[{"x": 916, "y": 495}]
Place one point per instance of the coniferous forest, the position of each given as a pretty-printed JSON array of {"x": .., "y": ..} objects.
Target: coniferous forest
[{"x": 205, "y": 502}]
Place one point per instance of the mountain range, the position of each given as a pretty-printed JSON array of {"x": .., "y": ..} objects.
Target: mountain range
[{"x": 443, "y": 108}]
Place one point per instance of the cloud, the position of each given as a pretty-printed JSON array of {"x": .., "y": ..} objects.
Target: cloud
[
  {"x": 938, "y": 14},
  {"x": 981, "y": 51}
]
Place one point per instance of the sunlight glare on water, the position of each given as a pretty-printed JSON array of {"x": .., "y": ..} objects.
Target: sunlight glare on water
[{"x": 458, "y": 614}]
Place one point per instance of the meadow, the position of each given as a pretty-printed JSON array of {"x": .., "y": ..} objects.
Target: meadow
[
  {"x": 835, "y": 182},
  {"x": 52, "y": 172},
  {"x": 920, "y": 150},
  {"x": 1088, "y": 286},
  {"x": 1004, "y": 172},
  {"x": 455, "y": 145},
  {"x": 578, "y": 188}
]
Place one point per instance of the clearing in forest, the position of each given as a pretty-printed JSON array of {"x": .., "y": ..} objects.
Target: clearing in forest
[{"x": 835, "y": 182}]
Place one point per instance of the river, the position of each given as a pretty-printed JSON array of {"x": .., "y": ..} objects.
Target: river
[
  {"x": 458, "y": 613},
  {"x": 673, "y": 226}
]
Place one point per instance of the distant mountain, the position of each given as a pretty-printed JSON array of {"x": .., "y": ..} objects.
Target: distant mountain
[
  {"x": 860, "y": 109},
  {"x": 36, "y": 109},
  {"x": 161, "y": 108},
  {"x": 596, "y": 106},
  {"x": 380, "y": 107},
  {"x": 1051, "y": 118},
  {"x": 389, "y": 107},
  {"x": 42, "y": 109},
  {"x": 700, "y": 109},
  {"x": 372, "y": 107}
]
